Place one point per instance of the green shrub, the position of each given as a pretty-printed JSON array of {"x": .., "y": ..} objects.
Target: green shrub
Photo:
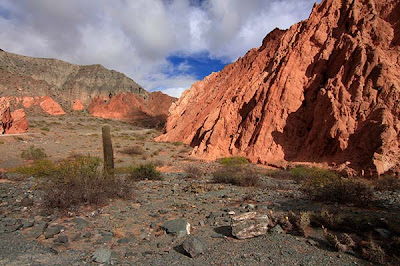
[
  {"x": 80, "y": 181},
  {"x": 337, "y": 189},
  {"x": 387, "y": 183},
  {"x": 300, "y": 173},
  {"x": 41, "y": 168},
  {"x": 233, "y": 161},
  {"x": 146, "y": 171},
  {"x": 238, "y": 176},
  {"x": 33, "y": 153},
  {"x": 178, "y": 143}
]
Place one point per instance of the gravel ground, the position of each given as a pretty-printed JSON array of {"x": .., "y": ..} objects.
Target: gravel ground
[{"x": 131, "y": 230}]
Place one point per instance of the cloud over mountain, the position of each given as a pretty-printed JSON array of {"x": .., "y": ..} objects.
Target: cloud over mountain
[{"x": 138, "y": 37}]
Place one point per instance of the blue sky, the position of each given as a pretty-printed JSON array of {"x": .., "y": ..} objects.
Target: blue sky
[{"x": 161, "y": 44}]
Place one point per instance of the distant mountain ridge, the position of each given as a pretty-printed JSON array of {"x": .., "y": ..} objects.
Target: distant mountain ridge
[{"x": 55, "y": 86}]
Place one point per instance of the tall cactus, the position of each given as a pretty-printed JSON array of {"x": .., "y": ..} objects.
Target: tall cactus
[{"x": 108, "y": 151}]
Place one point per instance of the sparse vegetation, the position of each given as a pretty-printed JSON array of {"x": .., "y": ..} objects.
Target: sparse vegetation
[
  {"x": 146, "y": 171},
  {"x": 193, "y": 172},
  {"x": 387, "y": 183},
  {"x": 134, "y": 150},
  {"x": 238, "y": 176},
  {"x": 178, "y": 143},
  {"x": 41, "y": 168},
  {"x": 33, "y": 153},
  {"x": 80, "y": 181},
  {"x": 233, "y": 161},
  {"x": 331, "y": 188},
  {"x": 373, "y": 252},
  {"x": 301, "y": 173}
]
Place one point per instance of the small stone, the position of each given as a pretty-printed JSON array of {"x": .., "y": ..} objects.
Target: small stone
[
  {"x": 178, "y": 227},
  {"x": 53, "y": 230},
  {"x": 81, "y": 223},
  {"x": 277, "y": 229},
  {"x": 383, "y": 232},
  {"x": 38, "y": 229},
  {"x": 250, "y": 224},
  {"x": 27, "y": 224},
  {"x": 62, "y": 239},
  {"x": 153, "y": 225},
  {"x": 312, "y": 242},
  {"x": 251, "y": 206},
  {"x": 194, "y": 246},
  {"x": 231, "y": 213},
  {"x": 102, "y": 255},
  {"x": 77, "y": 237},
  {"x": 87, "y": 235}
]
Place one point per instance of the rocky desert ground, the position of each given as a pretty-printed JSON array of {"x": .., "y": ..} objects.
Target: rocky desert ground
[{"x": 152, "y": 227}]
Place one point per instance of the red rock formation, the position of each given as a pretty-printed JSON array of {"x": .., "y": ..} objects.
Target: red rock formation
[
  {"x": 20, "y": 122},
  {"x": 122, "y": 106},
  {"x": 77, "y": 105},
  {"x": 132, "y": 107},
  {"x": 325, "y": 90},
  {"x": 50, "y": 106},
  {"x": 13, "y": 122}
]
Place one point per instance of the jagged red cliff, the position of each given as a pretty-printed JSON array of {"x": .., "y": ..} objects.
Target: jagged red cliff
[{"x": 325, "y": 90}]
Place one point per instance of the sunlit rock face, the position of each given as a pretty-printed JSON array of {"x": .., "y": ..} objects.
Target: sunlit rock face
[{"x": 325, "y": 90}]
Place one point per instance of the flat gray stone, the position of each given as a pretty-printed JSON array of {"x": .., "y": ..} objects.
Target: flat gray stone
[
  {"x": 194, "y": 246},
  {"x": 81, "y": 223},
  {"x": 178, "y": 227},
  {"x": 53, "y": 230},
  {"x": 249, "y": 224},
  {"x": 102, "y": 255}
]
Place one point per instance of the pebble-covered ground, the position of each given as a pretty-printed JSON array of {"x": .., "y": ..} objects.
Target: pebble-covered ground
[
  {"x": 134, "y": 232},
  {"x": 129, "y": 232}
]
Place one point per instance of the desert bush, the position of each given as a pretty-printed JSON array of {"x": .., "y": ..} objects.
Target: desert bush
[
  {"x": 334, "y": 242},
  {"x": 387, "y": 183},
  {"x": 373, "y": 252},
  {"x": 178, "y": 143},
  {"x": 134, "y": 150},
  {"x": 238, "y": 176},
  {"x": 193, "y": 172},
  {"x": 233, "y": 161},
  {"x": 80, "y": 181},
  {"x": 301, "y": 173},
  {"x": 41, "y": 168},
  {"x": 146, "y": 171},
  {"x": 337, "y": 189},
  {"x": 33, "y": 153}
]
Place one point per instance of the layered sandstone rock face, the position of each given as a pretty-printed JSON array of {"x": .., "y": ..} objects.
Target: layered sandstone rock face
[
  {"x": 55, "y": 86},
  {"x": 325, "y": 90},
  {"x": 12, "y": 122}
]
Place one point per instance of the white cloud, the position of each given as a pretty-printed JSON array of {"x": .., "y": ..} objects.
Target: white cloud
[{"x": 136, "y": 37}]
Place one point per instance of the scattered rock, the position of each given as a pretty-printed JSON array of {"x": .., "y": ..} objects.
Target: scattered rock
[
  {"x": 102, "y": 255},
  {"x": 53, "y": 230},
  {"x": 277, "y": 229},
  {"x": 178, "y": 227},
  {"x": 38, "y": 229},
  {"x": 81, "y": 223},
  {"x": 249, "y": 225},
  {"x": 194, "y": 246},
  {"x": 383, "y": 233},
  {"x": 62, "y": 239}
]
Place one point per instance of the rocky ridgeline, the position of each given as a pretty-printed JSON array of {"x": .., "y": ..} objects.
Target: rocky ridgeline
[
  {"x": 55, "y": 87},
  {"x": 325, "y": 90}
]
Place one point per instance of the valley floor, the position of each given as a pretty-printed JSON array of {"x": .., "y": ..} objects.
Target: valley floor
[{"x": 128, "y": 232}]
